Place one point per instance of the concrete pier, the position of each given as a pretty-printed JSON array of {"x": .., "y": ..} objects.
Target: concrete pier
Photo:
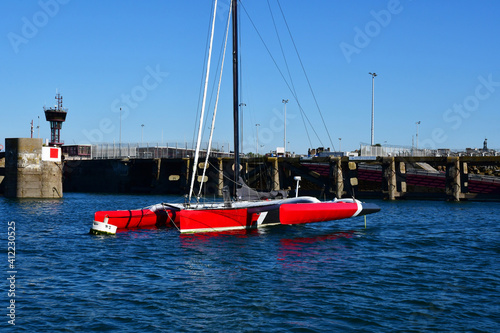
[
  {"x": 390, "y": 178},
  {"x": 29, "y": 173}
]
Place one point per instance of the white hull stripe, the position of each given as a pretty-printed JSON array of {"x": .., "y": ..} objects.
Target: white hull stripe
[
  {"x": 360, "y": 208},
  {"x": 261, "y": 218}
]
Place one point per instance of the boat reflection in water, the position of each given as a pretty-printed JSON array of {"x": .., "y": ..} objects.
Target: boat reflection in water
[
  {"x": 303, "y": 252},
  {"x": 298, "y": 253}
]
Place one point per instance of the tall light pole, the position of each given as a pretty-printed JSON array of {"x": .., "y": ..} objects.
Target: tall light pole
[
  {"x": 416, "y": 137},
  {"x": 120, "y": 132},
  {"x": 257, "y": 145},
  {"x": 142, "y": 133},
  {"x": 373, "y": 104},
  {"x": 340, "y": 144},
  {"x": 284, "y": 101}
]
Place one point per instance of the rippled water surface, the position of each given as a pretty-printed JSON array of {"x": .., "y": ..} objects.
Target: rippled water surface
[{"x": 418, "y": 266}]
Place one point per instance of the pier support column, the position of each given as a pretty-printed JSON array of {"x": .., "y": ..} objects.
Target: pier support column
[
  {"x": 453, "y": 183},
  {"x": 349, "y": 177},
  {"x": 464, "y": 178},
  {"x": 158, "y": 168},
  {"x": 389, "y": 175},
  {"x": 338, "y": 177},
  {"x": 276, "y": 174},
  {"x": 402, "y": 183}
]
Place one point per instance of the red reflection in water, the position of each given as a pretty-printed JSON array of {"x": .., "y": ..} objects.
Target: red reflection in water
[
  {"x": 297, "y": 252},
  {"x": 204, "y": 237}
]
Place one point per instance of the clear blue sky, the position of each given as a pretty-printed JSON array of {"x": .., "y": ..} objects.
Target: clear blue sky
[{"x": 437, "y": 62}]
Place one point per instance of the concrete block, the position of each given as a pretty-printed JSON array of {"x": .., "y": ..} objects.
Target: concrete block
[{"x": 26, "y": 175}]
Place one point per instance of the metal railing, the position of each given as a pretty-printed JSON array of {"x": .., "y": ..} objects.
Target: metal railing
[
  {"x": 148, "y": 150},
  {"x": 369, "y": 150}
]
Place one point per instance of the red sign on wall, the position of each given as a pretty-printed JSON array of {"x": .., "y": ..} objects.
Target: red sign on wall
[{"x": 52, "y": 154}]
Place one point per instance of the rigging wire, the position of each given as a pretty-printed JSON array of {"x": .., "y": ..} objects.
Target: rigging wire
[
  {"x": 214, "y": 85},
  {"x": 281, "y": 47},
  {"x": 197, "y": 152},
  {"x": 288, "y": 69},
  {"x": 305, "y": 74},
  {"x": 216, "y": 104},
  {"x": 200, "y": 93},
  {"x": 282, "y": 76}
]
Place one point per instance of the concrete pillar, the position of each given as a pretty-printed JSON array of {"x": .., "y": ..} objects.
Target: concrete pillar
[
  {"x": 353, "y": 180},
  {"x": 27, "y": 174},
  {"x": 338, "y": 177},
  {"x": 402, "y": 171},
  {"x": 349, "y": 177},
  {"x": 389, "y": 167},
  {"x": 275, "y": 173},
  {"x": 453, "y": 183},
  {"x": 158, "y": 168},
  {"x": 464, "y": 178}
]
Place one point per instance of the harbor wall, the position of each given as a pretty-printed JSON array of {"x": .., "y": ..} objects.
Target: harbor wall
[
  {"x": 27, "y": 174},
  {"x": 391, "y": 178},
  {"x": 2, "y": 171}
]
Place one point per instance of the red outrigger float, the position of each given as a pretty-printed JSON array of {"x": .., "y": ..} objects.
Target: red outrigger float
[
  {"x": 107, "y": 222},
  {"x": 231, "y": 215}
]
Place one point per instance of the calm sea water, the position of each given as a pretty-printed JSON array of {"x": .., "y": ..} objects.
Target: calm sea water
[{"x": 418, "y": 266}]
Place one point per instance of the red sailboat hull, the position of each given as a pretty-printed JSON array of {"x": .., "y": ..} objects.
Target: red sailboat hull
[
  {"x": 260, "y": 215},
  {"x": 137, "y": 218},
  {"x": 213, "y": 220}
]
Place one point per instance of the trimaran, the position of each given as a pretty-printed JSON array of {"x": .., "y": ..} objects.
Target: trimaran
[{"x": 236, "y": 214}]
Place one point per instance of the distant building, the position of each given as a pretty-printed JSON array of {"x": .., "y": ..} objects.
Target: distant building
[
  {"x": 485, "y": 145},
  {"x": 317, "y": 151},
  {"x": 443, "y": 152},
  {"x": 77, "y": 151}
]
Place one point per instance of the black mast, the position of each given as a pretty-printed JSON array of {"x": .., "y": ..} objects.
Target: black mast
[{"x": 236, "y": 97}]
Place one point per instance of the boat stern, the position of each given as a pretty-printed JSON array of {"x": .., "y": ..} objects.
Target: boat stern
[{"x": 103, "y": 228}]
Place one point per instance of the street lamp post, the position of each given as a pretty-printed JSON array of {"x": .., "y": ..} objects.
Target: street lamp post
[
  {"x": 120, "y": 133},
  {"x": 257, "y": 145},
  {"x": 416, "y": 137},
  {"x": 142, "y": 134},
  {"x": 373, "y": 104},
  {"x": 284, "y": 101},
  {"x": 340, "y": 144}
]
